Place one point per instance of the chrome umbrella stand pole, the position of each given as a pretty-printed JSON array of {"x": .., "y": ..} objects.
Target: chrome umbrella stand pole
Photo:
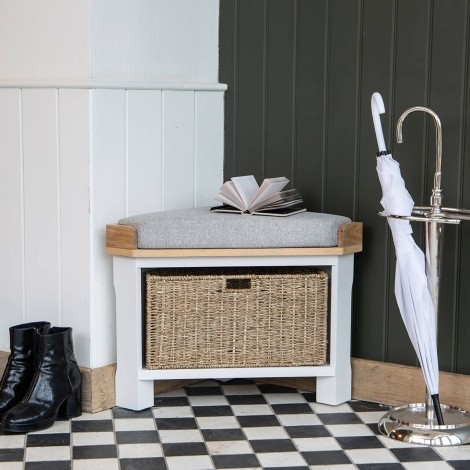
[
  {"x": 434, "y": 240},
  {"x": 434, "y": 243},
  {"x": 417, "y": 423}
]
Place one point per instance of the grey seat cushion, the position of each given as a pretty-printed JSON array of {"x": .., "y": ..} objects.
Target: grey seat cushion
[{"x": 200, "y": 228}]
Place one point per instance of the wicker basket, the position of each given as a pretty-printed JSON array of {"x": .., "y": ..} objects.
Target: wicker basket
[{"x": 247, "y": 317}]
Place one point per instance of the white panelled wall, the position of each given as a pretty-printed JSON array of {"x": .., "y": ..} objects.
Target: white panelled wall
[
  {"x": 108, "y": 108},
  {"x": 75, "y": 159}
]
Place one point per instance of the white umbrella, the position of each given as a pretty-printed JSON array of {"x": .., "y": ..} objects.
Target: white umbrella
[{"x": 411, "y": 286}]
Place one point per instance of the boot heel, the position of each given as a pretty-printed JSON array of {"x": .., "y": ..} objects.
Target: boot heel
[{"x": 72, "y": 406}]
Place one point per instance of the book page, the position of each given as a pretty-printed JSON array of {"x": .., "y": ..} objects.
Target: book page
[
  {"x": 269, "y": 187},
  {"x": 228, "y": 194},
  {"x": 246, "y": 187},
  {"x": 278, "y": 205},
  {"x": 282, "y": 212},
  {"x": 281, "y": 199},
  {"x": 227, "y": 209}
]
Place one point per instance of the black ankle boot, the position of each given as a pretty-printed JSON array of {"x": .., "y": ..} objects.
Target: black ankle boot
[
  {"x": 56, "y": 386},
  {"x": 21, "y": 365}
]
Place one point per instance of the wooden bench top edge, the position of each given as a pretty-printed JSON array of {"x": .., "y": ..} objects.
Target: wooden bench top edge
[
  {"x": 122, "y": 240},
  {"x": 227, "y": 252}
]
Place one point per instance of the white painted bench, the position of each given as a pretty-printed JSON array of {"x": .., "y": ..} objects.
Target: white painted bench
[{"x": 134, "y": 383}]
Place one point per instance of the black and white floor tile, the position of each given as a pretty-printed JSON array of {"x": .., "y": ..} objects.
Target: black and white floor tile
[{"x": 221, "y": 425}]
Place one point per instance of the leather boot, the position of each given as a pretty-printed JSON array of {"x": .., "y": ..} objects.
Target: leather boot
[
  {"x": 56, "y": 386},
  {"x": 21, "y": 364}
]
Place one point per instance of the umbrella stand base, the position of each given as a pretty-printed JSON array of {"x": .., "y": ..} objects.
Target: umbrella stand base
[{"x": 408, "y": 423}]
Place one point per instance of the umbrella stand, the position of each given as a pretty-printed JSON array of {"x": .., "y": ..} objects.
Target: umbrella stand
[{"x": 417, "y": 423}]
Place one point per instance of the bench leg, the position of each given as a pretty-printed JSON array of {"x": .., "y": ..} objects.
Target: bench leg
[
  {"x": 131, "y": 392},
  {"x": 334, "y": 390},
  {"x": 337, "y": 389}
]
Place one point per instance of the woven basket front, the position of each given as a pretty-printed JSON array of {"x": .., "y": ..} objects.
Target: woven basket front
[{"x": 250, "y": 317}]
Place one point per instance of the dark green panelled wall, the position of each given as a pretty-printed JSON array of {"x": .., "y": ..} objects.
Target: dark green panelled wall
[{"x": 300, "y": 75}]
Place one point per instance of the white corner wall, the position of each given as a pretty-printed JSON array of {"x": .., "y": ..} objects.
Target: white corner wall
[
  {"x": 45, "y": 39},
  {"x": 154, "y": 40},
  {"x": 117, "y": 40},
  {"x": 45, "y": 198},
  {"x": 87, "y": 141},
  {"x": 152, "y": 150}
]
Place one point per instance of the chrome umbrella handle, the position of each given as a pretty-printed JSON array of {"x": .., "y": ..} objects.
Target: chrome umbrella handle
[{"x": 436, "y": 196}]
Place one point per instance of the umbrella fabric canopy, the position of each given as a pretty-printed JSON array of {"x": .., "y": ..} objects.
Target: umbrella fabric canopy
[{"x": 411, "y": 287}]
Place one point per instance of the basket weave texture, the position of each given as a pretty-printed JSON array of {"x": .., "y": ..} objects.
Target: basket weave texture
[{"x": 249, "y": 317}]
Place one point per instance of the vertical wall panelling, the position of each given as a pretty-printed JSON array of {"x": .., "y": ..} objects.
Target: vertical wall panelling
[
  {"x": 41, "y": 205},
  {"x": 300, "y": 76},
  {"x": 144, "y": 151},
  {"x": 412, "y": 46},
  {"x": 370, "y": 336},
  {"x": 251, "y": 89},
  {"x": 410, "y": 87},
  {"x": 76, "y": 159},
  {"x": 107, "y": 204},
  {"x": 462, "y": 352},
  {"x": 208, "y": 164},
  {"x": 74, "y": 179},
  {"x": 448, "y": 106},
  {"x": 11, "y": 208},
  {"x": 178, "y": 149},
  {"x": 312, "y": 31},
  {"x": 344, "y": 52},
  {"x": 228, "y": 47},
  {"x": 281, "y": 87}
]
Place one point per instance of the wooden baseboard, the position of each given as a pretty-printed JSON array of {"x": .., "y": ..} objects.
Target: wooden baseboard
[
  {"x": 98, "y": 388},
  {"x": 98, "y": 385},
  {"x": 395, "y": 384},
  {"x": 392, "y": 384},
  {"x": 377, "y": 382},
  {"x": 3, "y": 360}
]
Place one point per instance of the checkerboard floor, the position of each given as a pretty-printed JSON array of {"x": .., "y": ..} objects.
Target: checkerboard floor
[{"x": 237, "y": 424}]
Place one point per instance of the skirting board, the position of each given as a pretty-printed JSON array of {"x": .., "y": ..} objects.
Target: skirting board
[
  {"x": 3, "y": 360},
  {"x": 395, "y": 384},
  {"x": 97, "y": 386},
  {"x": 377, "y": 382},
  {"x": 98, "y": 389}
]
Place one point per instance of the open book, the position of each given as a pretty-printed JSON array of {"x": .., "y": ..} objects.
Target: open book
[{"x": 243, "y": 195}]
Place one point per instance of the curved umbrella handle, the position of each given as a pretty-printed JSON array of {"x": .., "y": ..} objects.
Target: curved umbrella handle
[
  {"x": 436, "y": 197},
  {"x": 378, "y": 108}
]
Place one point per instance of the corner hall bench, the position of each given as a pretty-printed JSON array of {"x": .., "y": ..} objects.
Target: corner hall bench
[{"x": 197, "y": 238}]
